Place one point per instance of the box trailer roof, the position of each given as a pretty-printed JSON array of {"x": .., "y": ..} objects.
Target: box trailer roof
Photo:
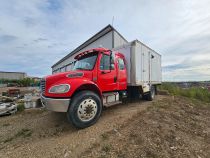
[{"x": 133, "y": 42}]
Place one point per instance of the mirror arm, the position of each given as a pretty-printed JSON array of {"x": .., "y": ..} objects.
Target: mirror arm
[{"x": 110, "y": 66}]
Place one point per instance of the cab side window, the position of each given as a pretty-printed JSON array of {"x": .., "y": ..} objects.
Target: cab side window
[
  {"x": 121, "y": 64},
  {"x": 105, "y": 63}
]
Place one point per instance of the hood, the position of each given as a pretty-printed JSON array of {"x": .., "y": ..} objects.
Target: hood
[
  {"x": 64, "y": 77},
  {"x": 70, "y": 74},
  {"x": 70, "y": 77}
]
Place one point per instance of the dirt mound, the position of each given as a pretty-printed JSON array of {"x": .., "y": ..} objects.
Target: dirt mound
[
  {"x": 170, "y": 128},
  {"x": 166, "y": 127}
]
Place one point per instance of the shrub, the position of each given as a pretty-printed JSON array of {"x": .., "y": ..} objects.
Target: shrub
[{"x": 20, "y": 107}]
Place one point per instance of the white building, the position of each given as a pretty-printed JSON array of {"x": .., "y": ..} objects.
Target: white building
[
  {"x": 107, "y": 38},
  {"x": 12, "y": 75}
]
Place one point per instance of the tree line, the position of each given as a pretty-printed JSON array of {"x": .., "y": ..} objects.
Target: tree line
[{"x": 25, "y": 82}]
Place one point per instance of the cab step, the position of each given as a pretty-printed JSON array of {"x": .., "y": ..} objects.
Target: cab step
[
  {"x": 112, "y": 103},
  {"x": 111, "y": 98}
]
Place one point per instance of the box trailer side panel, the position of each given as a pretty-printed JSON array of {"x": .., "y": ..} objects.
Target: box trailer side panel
[
  {"x": 137, "y": 63},
  {"x": 146, "y": 62},
  {"x": 156, "y": 76},
  {"x": 150, "y": 63},
  {"x": 143, "y": 64},
  {"x": 143, "y": 61}
]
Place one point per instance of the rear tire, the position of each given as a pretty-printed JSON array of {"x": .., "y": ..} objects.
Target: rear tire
[
  {"x": 85, "y": 109},
  {"x": 150, "y": 95}
]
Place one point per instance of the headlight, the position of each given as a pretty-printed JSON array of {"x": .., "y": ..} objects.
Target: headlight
[{"x": 62, "y": 88}]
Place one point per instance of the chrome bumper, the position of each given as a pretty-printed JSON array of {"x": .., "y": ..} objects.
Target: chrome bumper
[{"x": 57, "y": 105}]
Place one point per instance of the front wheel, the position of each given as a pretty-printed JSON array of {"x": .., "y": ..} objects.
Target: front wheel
[{"x": 85, "y": 109}]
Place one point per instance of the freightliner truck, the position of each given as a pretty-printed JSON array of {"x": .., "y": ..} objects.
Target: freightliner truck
[{"x": 102, "y": 78}]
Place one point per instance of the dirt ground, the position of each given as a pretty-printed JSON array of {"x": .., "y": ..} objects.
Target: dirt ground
[{"x": 166, "y": 127}]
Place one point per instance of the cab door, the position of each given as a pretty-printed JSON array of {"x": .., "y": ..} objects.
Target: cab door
[
  {"x": 121, "y": 74},
  {"x": 107, "y": 78}
]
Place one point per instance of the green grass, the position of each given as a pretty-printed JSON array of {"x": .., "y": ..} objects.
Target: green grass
[{"x": 194, "y": 92}]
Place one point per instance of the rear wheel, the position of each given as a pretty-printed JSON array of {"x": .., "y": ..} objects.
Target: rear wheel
[
  {"x": 85, "y": 109},
  {"x": 150, "y": 95}
]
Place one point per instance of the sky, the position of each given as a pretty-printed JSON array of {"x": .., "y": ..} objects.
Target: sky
[{"x": 36, "y": 34}]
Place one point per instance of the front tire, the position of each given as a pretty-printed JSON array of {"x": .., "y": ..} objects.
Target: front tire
[{"x": 85, "y": 109}]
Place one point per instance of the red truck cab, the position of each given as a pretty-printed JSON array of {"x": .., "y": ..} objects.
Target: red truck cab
[{"x": 98, "y": 79}]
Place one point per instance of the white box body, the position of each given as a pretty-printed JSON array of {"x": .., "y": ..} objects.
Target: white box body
[{"x": 143, "y": 64}]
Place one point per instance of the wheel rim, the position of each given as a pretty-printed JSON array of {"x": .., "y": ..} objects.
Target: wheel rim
[{"x": 87, "y": 110}]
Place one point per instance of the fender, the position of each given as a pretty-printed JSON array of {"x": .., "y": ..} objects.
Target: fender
[{"x": 85, "y": 84}]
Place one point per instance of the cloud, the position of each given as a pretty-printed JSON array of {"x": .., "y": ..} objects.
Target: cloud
[
  {"x": 7, "y": 38},
  {"x": 193, "y": 69},
  {"x": 37, "y": 33},
  {"x": 40, "y": 39},
  {"x": 53, "y": 5}
]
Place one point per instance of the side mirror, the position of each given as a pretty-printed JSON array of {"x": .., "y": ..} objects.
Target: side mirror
[
  {"x": 111, "y": 66},
  {"x": 110, "y": 61}
]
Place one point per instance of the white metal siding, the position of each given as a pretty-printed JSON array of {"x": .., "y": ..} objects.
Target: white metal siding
[
  {"x": 105, "y": 41},
  {"x": 138, "y": 62},
  {"x": 145, "y": 70},
  {"x": 156, "y": 68},
  {"x": 64, "y": 63},
  {"x": 118, "y": 40},
  {"x": 12, "y": 75},
  {"x": 141, "y": 68}
]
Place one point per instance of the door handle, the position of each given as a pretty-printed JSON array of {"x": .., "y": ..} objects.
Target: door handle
[{"x": 115, "y": 79}]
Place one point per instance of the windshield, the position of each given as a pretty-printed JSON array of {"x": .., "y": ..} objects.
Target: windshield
[{"x": 85, "y": 63}]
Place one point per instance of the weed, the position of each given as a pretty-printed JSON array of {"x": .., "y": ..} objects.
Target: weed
[
  {"x": 133, "y": 135},
  {"x": 104, "y": 136},
  {"x": 106, "y": 148},
  {"x": 150, "y": 153},
  {"x": 22, "y": 133},
  {"x": 6, "y": 124},
  {"x": 8, "y": 139}
]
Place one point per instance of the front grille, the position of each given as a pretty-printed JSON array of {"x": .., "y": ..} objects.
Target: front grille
[{"x": 43, "y": 85}]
